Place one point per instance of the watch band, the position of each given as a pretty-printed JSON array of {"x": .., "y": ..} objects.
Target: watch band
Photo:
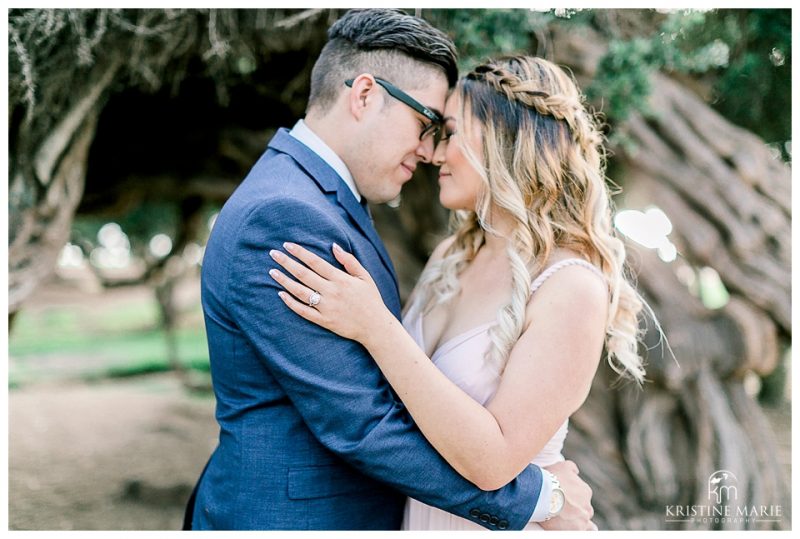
[{"x": 557, "y": 491}]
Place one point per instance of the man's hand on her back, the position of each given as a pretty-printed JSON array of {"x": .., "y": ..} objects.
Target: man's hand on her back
[{"x": 577, "y": 512}]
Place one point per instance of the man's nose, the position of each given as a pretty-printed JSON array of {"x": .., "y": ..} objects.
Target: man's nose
[
  {"x": 438, "y": 154},
  {"x": 425, "y": 149}
]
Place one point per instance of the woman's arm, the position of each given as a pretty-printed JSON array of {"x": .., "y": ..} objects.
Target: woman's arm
[{"x": 547, "y": 377}]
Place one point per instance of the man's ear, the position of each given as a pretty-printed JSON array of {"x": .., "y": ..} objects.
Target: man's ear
[{"x": 363, "y": 94}]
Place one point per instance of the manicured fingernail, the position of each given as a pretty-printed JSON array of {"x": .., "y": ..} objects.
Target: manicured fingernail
[
  {"x": 282, "y": 295},
  {"x": 336, "y": 247},
  {"x": 273, "y": 272},
  {"x": 289, "y": 246},
  {"x": 275, "y": 254}
]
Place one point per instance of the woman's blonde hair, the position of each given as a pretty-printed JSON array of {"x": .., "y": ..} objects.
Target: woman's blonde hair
[{"x": 543, "y": 164}]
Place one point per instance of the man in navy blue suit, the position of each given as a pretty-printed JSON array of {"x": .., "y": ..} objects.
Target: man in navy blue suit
[{"x": 311, "y": 434}]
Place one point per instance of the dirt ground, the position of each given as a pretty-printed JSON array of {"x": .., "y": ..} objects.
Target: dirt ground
[
  {"x": 121, "y": 455},
  {"x": 115, "y": 454},
  {"x": 124, "y": 455}
]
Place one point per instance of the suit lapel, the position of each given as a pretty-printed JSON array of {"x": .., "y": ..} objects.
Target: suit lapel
[{"x": 330, "y": 182}]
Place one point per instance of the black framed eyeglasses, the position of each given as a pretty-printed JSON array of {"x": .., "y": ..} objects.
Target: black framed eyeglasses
[{"x": 430, "y": 130}]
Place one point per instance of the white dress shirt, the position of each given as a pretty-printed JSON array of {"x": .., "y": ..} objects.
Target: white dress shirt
[{"x": 304, "y": 134}]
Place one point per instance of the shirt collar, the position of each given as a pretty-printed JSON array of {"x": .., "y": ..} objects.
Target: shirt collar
[{"x": 304, "y": 134}]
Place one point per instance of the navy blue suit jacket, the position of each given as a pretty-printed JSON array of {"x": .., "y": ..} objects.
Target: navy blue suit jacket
[{"x": 311, "y": 434}]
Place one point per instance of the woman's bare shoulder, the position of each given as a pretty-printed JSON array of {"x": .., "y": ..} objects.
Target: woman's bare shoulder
[{"x": 571, "y": 291}]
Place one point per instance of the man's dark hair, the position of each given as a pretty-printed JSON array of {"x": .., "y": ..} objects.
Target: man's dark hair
[{"x": 384, "y": 42}]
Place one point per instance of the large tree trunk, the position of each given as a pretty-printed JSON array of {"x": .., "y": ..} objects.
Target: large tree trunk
[
  {"x": 64, "y": 64},
  {"x": 647, "y": 451},
  {"x": 46, "y": 184}
]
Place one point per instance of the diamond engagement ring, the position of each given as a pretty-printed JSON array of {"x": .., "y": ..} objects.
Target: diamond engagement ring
[{"x": 314, "y": 298}]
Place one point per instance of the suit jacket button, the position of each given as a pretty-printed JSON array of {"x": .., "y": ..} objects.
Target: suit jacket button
[
  {"x": 485, "y": 517},
  {"x": 494, "y": 520},
  {"x": 475, "y": 513},
  {"x": 503, "y": 524}
]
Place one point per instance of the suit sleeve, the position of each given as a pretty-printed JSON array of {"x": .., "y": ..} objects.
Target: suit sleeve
[{"x": 337, "y": 387}]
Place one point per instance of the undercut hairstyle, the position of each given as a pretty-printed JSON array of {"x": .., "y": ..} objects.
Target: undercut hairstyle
[{"x": 387, "y": 43}]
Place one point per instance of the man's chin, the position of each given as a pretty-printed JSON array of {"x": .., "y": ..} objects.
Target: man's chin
[{"x": 385, "y": 198}]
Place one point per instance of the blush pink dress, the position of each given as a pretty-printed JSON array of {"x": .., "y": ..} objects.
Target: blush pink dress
[{"x": 461, "y": 359}]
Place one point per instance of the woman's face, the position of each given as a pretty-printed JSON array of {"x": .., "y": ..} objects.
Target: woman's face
[{"x": 459, "y": 182}]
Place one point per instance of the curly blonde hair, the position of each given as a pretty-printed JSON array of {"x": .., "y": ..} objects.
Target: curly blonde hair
[{"x": 543, "y": 164}]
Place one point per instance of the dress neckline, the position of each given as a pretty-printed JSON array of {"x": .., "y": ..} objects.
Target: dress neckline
[
  {"x": 452, "y": 342},
  {"x": 460, "y": 338}
]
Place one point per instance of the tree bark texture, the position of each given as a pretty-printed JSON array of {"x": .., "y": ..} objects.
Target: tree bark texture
[
  {"x": 727, "y": 197},
  {"x": 46, "y": 185}
]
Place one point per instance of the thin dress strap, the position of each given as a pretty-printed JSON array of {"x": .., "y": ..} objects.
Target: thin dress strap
[{"x": 562, "y": 264}]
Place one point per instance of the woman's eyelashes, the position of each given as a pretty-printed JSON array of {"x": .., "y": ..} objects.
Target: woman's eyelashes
[
  {"x": 446, "y": 134},
  {"x": 449, "y": 129}
]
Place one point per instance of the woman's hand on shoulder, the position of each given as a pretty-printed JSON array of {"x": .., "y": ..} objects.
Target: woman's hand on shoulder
[{"x": 347, "y": 303}]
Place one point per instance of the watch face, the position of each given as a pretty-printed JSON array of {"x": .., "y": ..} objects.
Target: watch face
[{"x": 557, "y": 501}]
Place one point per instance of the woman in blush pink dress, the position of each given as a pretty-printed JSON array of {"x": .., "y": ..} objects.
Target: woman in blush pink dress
[{"x": 514, "y": 308}]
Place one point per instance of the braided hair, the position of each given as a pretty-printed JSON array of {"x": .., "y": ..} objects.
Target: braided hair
[{"x": 543, "y": 164}]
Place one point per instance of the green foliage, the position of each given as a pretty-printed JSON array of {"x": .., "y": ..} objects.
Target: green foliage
[
  {"x": 681, "y": 44},
  {"x": 154, "y": 365},
  {"x": 110, "y": 339},
  {"x": 483, "y": 33},
  {"x": 745, "y": 56},
  {"x": 623, "y": 79},
  {"x": 755, "y": 90},
  {"x": 140, "y": 224},
  {"x": 742, "y": 56}
]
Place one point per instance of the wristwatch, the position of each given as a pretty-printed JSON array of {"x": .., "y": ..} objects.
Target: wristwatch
[{"x": 557, "y": 498}]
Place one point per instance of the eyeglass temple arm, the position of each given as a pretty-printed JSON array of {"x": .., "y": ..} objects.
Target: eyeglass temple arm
[{"x": 408, "y": 100}]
